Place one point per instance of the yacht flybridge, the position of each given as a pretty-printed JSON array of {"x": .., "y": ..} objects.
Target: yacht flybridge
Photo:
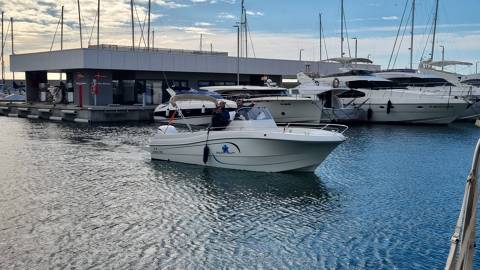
[{"x": 252, "y": 141}]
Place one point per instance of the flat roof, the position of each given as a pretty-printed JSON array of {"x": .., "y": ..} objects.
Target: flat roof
[{"x": 169, "y": 60}]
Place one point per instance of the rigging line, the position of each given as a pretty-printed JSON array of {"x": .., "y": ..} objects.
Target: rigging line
[
  {"x": 401, "y": 40},
  {"x": 142, "y": 27},
  {"x": 5, "y": 38},
  {"x": 346, "y": 34},
  {"x": 430, "y": 18},
  {"x": 54, "y": 35},
  {"x": 324, "y": 42},
  {"x": 251, "y": 42},
  {"x": 398, "y": 33},
  {"x": 427, "y": 41},
  {"x": 93, "y": 27}
]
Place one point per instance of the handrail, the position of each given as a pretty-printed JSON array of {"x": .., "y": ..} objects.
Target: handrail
[
  {"x": 462, "y": 245},
  {"x": 320, "y": 126}
]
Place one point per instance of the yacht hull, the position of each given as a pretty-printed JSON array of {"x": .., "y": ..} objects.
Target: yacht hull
[
  {"x": 251, "y": 151},
  {"x": 414, "y": 113}
]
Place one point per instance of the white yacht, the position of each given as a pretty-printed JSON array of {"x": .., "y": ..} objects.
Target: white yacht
[
  {"x": 386, "y": 101},
  {"x": 329, "y": 97},
  {"x": 196, "y": 111},
  {"x": 433, "y": 83},
  {"x": 252, "y": 142},
  {"x": 285, "y": 108}
]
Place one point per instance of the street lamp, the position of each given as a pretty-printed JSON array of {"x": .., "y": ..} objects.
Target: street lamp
[
  {"x": 301, "y": 50},
  {"x": 443, "y": 56},
  {"x": 238, "y": 52},
  {"x": 356, "y": 46}
]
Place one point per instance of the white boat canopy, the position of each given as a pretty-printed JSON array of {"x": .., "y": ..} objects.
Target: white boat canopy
[
  {"x": 350, "y": 60},
  {"x": 187, "y": 97},
  {"x": 447, "y": 63}
]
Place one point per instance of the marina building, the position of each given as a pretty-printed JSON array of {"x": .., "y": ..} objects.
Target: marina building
[{"x": 114, "y": 83}]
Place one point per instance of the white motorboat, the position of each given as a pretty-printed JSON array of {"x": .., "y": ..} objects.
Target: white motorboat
[
  {"x": 385, "y": 101},
  {"x": 284, "y": 108},
  {"x": 196, "y": 111},
  {"x": 252, "y": 142}
]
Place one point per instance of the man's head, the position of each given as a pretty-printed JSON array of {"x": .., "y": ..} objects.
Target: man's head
[{"x": 221, "y": 104}]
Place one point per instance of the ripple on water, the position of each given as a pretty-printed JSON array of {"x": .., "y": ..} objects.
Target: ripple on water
[{"x": 89, "y": 197}]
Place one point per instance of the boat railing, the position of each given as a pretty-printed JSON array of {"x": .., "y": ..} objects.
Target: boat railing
[
  {"x": 321, "y": 126},
  {"x": 462, "y": 247}
]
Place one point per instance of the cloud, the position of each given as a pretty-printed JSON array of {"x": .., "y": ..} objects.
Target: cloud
[
  {"x": 204, "y": 24},
  {"x": 226, "y": 16},
  {"x": 255, "y": 13},
  {"x": 390, "y": 18}
]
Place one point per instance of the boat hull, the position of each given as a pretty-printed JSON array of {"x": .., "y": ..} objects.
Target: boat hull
[
  {"x": 414, "y": 113},
  {"x": 252, "y": 152}
]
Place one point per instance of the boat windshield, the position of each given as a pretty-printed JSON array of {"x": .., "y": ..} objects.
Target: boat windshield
[{"x": 253, "y": 113}]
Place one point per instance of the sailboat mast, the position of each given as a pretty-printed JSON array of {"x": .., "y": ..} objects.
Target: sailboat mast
[
  {"x": 80, "y": 23},
  {"x": 133, "y": 25},
  {"x": 341, "y": 31},
  {"x": 246, "y": 32},
  {"x": 61, "y": 31},
  {"x": 320, "y": 35},
  {"x": 3, "y": 62},
  {"x": 98, "y": 23},
  {"x": 11, "y": 36},
  {"x": 412, "y": 34},
  {"x": 148, "y": 28},
  {"x": 434, "y": 29}
]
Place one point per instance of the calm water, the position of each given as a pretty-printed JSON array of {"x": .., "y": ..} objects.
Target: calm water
[{"x": 90, "y": 197}]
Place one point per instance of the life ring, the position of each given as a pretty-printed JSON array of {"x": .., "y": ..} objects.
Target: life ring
[{"x": 336, "y": 83}]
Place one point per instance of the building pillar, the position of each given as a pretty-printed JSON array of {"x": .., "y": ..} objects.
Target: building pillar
[
  {"x": 85, "y": 78},
  {"x": 32, "y": 81}
]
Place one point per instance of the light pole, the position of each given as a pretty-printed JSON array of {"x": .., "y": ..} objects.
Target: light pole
[
  {"x": 238, "y": 53},
  {"x": 476, "y": 67},
  {"x": 356, "y": 46},
  {"x": 443, "y": 56},
  {"x": 301, "y": 50}
]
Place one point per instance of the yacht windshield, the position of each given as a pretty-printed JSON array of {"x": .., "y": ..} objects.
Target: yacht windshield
[
  {"x": 366, "y": 84},
  {"x": 253, "y": 113},
  {"x": 421, "y": 82}
]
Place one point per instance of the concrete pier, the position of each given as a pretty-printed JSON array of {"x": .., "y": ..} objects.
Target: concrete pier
[{"x": 72, "y": 113}]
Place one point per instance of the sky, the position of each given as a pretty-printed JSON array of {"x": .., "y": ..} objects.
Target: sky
[{"x": 278, "y": 28}]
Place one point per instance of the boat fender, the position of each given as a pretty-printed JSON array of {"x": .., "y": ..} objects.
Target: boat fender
[
  {"x": 336, "y": 83},
  {"x": 369, "y": 113},
  {"x": 206, "y": 153},
  {"x": 203, "y": 109},
  {"x": 389, "y": 106}
]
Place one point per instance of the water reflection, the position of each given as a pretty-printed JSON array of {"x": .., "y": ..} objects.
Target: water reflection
[{"x": 281, "y": 185}]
